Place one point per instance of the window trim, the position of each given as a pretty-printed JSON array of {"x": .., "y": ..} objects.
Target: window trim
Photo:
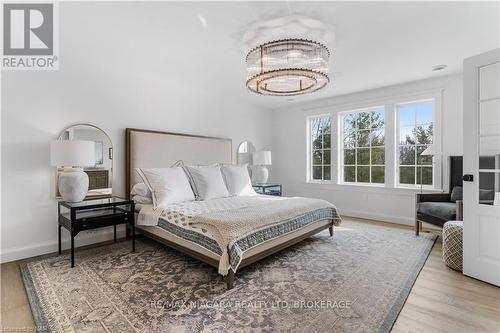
[{"x": 340, "y": 150}]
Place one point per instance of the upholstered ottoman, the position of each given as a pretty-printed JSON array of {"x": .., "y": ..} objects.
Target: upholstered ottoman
[{"x": 453, "y": 244}]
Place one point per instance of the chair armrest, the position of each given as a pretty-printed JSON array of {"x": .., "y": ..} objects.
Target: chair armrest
[
  {"x": 432, "y": 197},
  {"x": 460, "y": 210}
]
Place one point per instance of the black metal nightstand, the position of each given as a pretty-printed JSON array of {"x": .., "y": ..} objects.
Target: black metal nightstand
[
  {"x": 92, "y": 214},
  {"x": 268, "y": 189}
]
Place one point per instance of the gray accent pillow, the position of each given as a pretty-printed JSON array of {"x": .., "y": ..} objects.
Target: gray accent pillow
[
  {"x": 457, "y": 194},
  {"x": 486, "y": 194}
]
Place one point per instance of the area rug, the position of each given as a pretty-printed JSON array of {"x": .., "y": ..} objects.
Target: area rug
[{"x": 355, "y": 281}]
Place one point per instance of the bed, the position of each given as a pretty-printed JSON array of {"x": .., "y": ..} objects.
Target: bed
[{"x": 227, "y": 233}]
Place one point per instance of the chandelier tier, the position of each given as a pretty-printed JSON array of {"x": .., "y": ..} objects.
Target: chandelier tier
[{"x": 287, "y": 67}]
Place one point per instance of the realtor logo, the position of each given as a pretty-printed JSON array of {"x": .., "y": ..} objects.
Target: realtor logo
[{"x": 29, "y": 36}]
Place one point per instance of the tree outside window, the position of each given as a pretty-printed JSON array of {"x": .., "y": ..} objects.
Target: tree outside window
[
  {"x": 363, "y": 151},
  {"x": 415, "y": 126},
  {"x": 320, "y": 131}
]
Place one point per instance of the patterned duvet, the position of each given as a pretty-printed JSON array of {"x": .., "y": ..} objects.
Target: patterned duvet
[{"x": 230, "y": 226}]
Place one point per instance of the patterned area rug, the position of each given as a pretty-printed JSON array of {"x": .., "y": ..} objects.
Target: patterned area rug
[{"x": 355, "y": 281}]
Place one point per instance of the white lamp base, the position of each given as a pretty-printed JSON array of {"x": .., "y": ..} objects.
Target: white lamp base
[
  {"x": 260, "y": 174},
  {"x": 73, "y": 184}
]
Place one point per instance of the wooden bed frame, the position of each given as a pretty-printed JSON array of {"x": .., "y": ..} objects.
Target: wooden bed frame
[{"x": 199, "y": 256}]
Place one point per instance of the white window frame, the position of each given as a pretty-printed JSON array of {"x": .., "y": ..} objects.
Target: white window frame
[
  {"x": 436, "y": 141},
  {"x": 309, "y": 149},
  {"x": 391, "y": 145},
  {"x": 340, "y": 137}
]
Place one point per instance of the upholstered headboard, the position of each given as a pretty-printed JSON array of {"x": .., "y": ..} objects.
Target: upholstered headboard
[{"x": 155, "y": 149}]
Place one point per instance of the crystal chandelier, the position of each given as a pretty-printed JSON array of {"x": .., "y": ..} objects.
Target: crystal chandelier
[{"x": 287, "y": 67}]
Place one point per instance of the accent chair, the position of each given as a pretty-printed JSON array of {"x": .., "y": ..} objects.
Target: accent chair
[{"x": 438, "y": 208}]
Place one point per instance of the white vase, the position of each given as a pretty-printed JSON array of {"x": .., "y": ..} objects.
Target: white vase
[
  {"x": 73, "y": 184},
  {"x": 260, "y": 174}
]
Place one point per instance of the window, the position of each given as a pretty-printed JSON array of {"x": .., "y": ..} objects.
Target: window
[
  {"x": 377, "y": 143},
  {"x": 320, "y": 147},
  {"x": 415, "y": 134},
  {"x": 363, "y": 151}
]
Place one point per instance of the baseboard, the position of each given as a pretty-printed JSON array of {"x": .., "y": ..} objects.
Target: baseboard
[
  {"x": 379, "y": 217},
  {"x": 386, "y": 218},
  {"x": 82, "y": 239}
]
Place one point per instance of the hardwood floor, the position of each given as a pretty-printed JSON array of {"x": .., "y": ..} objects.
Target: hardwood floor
[
  {"x": 15, "y": 310},
  {"x": 442, "y": 300}
]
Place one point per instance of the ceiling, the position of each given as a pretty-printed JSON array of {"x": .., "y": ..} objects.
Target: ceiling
[{"x": 200, "y": 44}]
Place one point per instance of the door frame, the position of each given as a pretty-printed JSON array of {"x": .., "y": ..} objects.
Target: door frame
[{"x": 475, "y": 264}]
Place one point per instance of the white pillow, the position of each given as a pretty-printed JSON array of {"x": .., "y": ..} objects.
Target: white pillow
[
  {"x": 143, "y": 200},
  {"x": 167, "y": 185},
  {"x": 207, "y": 182},
  {"x": 140, "y": 189},
  {"x": 237, "y": 180}
]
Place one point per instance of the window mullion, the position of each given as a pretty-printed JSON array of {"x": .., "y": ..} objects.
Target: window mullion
[
  {"x": 416, "y": 154},
  {"x": 391, "y": 144},
  {"x": 356, "y": 154},
  {"x": 334, "y": 150},
  {"x": 370, "y": 153}
]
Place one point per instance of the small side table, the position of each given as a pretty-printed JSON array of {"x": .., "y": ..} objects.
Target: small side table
[
  {"x": 268, "y": 189},
  {"x": 92, "y": 214}
]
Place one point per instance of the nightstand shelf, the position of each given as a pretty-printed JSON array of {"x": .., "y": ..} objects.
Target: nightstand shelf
[{"x": 92, "y": 214}]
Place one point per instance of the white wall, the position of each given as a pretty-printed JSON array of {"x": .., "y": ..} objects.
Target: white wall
[
  {"x": 387, "y": 204},
  {"x": 109, "y": 78},
  {"x": 29, "y": 209}
]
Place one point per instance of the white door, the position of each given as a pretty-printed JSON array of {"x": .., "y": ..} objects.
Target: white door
[{"x": 482, "y": 167}]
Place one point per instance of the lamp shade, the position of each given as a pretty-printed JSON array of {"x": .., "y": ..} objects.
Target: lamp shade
[
  {"x": 72, "y": 153},
  {"x": 262, "y": 157},
  {"x": 430, "y": 151}
]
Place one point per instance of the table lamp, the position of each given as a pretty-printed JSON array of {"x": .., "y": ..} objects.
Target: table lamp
[
  {"x": 72, "y": 155},
  {"x": 260, "y": 173}
]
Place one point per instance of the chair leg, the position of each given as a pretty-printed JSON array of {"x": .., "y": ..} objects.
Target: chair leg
[
  {"x": 417, "y": 227},
  {"x": 331, "y": 231}
]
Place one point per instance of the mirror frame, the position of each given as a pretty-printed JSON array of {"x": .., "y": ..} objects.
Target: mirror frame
[
  {"x": 237, "y": 152},
  {"x": 111, "y": 179}
]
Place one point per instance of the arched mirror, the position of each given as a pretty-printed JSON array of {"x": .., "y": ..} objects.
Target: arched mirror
[
  {"x": 100, "y": 171},
  {"x": 245, "y": 150}
]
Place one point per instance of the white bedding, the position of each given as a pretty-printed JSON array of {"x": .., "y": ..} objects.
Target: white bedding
[
  {"x": 148, "y": 216},
  {"x": 197, "y": 219}
]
